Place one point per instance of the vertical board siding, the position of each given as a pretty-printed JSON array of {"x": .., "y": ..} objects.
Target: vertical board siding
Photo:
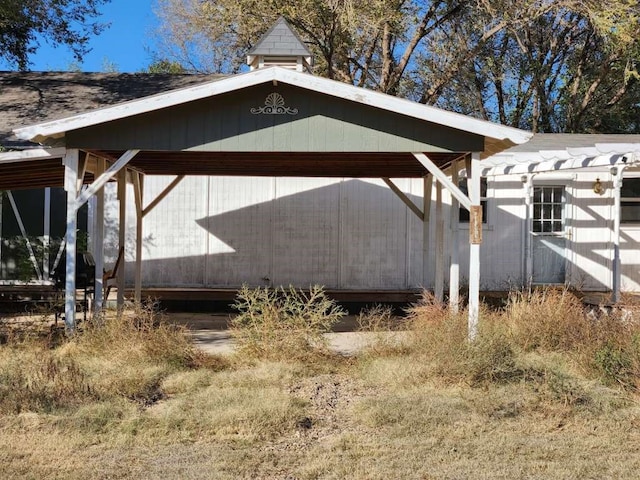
[
  {"x": 352, "y": 234},
  {"x": 174, "y": 244},
  {"x": 374, "y": 225},
  {"x": 305, "y": 226},
  {"x": 240, "y": 237}
]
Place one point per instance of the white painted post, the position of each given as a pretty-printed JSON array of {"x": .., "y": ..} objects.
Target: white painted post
[
  {"x": 98, "y": 241},
  {"x": 138, "y": 187},
  {"x": 1, "y": 197},
  {"x": 122, "y": 231},
  {"x": 617, "y": 175},
  {"x": 426, "y": 214},
  {"x": 439, "y": 285},
  {"x": 473, "y": 175},
  {"x": 46, "y": 238},
  {"x": 527, "y": 186},
  {"x": 71, "y": 185},
  {"x": 454, "y": 266}
]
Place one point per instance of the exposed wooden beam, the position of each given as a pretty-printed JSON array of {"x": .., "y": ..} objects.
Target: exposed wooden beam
[
  {"x": 442, "y": 178},
  {"x": 162, "y": 195},
  {"x": 406, "y": 200},
  {"x": 105, "y": 177}
]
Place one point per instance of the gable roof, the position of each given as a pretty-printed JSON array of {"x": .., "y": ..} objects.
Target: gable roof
[
  {"x": 31, "y": 97},
  {"x": 497, "y": 137},
  {"x": 280, "y": 40}
]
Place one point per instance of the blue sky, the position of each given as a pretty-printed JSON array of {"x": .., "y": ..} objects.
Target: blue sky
[{"x": 125, "y": 44}]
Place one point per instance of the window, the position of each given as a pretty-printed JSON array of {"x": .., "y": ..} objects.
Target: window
[
  {"x": 547, "y": 209},
  {"x": 464, "y": 213},
  {"x": 630, "y": 200}
]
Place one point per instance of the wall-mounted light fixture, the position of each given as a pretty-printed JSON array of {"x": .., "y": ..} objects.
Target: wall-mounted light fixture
[{"x": 598, "y": 188}]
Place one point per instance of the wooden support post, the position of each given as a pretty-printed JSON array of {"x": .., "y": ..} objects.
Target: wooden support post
[
  {"x": 527, "y": 187},
  {"x": 138, "y": 186},
  {"x": 98, "y": 241},
  {"x": 616, "y": 271},
  {"x": 439, "y": 285},
  {"x": 46, "y": 238},
  {"x": 122, "y": 233},
  {"x": 426, "y": 214},
  {"x": 70, "y": 185},
  {"x": 475, "y": 239},
  {"x": 454, "y": 266}
]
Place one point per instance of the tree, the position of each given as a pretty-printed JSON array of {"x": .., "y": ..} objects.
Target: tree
[
  {"x": 165, "y": 66},
  {"x": 546, "y": 65},
  {"x": 24, "y": 23}
]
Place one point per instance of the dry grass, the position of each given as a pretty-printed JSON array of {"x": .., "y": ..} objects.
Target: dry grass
[
  {"x": 283, "y": 323},
  {"x": 521, "y": 402}
]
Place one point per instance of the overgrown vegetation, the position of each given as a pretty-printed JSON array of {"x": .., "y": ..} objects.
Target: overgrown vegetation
[
  {"x": 130, "y": 397},
  {"x": 283, "y": 323}
]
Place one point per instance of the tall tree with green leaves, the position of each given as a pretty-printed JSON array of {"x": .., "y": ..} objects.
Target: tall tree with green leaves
[
  {"x": 25, "y": 23},
  {"x": 546, "y": 65}
]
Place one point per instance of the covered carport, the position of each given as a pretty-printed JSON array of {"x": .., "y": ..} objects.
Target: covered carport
[{"x": 270, "y": 122}]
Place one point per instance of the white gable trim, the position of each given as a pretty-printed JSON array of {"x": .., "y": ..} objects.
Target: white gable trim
[
  {"x": 57, "y": 128},
  {"x": 32, "y": 154}
]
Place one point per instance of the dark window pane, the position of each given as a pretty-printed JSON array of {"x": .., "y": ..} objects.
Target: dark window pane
[
  {"x": 546, "y": 227},
  {"x": 537, "y": 194},
  {"x": 546, "y": 211},
  {"x": 557, "y": 226},
  {"x": 557, "y": 194},
  {"x": 630, "y": 212},
  {"x": 546, "y": 196},
  {"x": 463, "y": 217},
  {"x": 537, "y": 226},
  {"x": 630, "y": 187},
  {"x": 557, "y": 212}
]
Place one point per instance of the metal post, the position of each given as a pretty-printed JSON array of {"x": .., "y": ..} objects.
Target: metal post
[{"x": 71, "y": 186}]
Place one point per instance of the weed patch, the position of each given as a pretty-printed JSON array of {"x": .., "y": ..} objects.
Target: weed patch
[{"x": 283, "y": 323}]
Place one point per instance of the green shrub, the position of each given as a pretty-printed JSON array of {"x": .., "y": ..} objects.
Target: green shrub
[{"x": 283, "y": 323}]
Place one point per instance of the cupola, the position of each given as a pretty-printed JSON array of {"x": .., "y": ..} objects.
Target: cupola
[{"x": 280, "y": 46}]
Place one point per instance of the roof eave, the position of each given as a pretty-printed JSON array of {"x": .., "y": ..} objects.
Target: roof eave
[{"x": 503, "y": 137}]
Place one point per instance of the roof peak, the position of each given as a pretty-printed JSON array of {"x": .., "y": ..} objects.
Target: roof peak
[{"x": 280, "y": 46}]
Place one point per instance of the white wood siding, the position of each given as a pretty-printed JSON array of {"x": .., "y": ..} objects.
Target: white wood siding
[{"x": 356, "y": 234}]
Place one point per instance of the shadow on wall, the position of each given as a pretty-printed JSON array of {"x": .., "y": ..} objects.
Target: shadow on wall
[{"x": 349, "y": 234}]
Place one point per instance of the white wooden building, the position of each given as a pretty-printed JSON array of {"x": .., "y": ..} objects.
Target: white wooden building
[
  {"x": 551, "y": 221},
  {"x": 277, "y": 177}
]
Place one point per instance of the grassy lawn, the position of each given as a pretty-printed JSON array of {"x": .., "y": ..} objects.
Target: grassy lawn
[{"x": 132, "y": 398}]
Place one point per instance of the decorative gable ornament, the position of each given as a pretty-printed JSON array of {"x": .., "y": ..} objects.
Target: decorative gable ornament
[{"x": 274, "y": 104}]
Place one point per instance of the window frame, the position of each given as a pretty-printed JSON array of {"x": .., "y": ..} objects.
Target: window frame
[
  {"x": 629, "y": 202},
  {"x": 463, "y": 213}
]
